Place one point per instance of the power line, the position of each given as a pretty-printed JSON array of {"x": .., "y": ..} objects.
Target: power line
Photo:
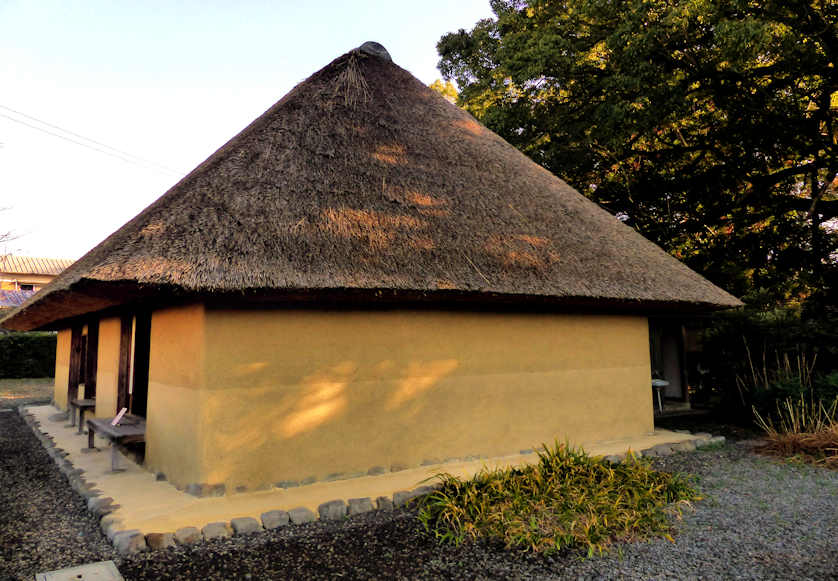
[
  {"x": 105, "y": 145},
  {"x": 108, "y": 150}
]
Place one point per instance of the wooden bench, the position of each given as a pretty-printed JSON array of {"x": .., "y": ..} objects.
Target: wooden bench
[
  {"x": 130, "y": 429},
  {"x": 82, "y": 405}
]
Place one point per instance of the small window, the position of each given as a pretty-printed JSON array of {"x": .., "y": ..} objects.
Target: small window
[{"x": 27, "y": 287}]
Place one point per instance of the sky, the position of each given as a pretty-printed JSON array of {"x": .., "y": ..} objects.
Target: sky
[{"x": 153, "y": 88}]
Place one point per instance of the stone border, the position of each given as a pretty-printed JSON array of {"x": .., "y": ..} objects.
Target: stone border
[
  {"x": 702, "y": 440},
  {"x": 207, "y": 490},
  {"x": 128, "y": 542}
]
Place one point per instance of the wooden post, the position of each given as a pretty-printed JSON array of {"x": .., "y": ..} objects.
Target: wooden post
[
  {"x": 75, "y": 365},
  {"x": 142, "y": 346},
  {"x": 682, "y": 355},
  {"x": 92, "y": 359},
  {"x": 126, "y": 324}
]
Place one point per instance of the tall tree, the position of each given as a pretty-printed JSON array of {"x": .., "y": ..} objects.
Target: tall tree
[
  {"x": 446, "y": 89},
  {"x": 710, "y": 126}
]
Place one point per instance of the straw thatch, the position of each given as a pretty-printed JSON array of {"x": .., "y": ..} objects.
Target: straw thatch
[{"x": 360, "y": 182}]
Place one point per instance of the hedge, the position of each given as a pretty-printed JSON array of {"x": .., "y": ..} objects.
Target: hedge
[{"x": 27, "y": 355}]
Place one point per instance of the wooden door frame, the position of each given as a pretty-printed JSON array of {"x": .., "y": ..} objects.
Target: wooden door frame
[{"x": 670, "y": 327}]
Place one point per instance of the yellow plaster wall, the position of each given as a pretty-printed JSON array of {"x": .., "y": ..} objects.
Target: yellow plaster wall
[
  {"x": 293, "y": 394},
  {"x": 62, "y": 368},
  {"x": 176, "y": 378},
  {"x": 107, "y": 367}
]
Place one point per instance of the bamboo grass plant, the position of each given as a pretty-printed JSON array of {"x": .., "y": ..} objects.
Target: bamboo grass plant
[
  {"x": 804, "y": 423},
  {"x": 802, "y": 427},
  {"x": 787, "y": 375},
  {"x": 568, "y": 500}
]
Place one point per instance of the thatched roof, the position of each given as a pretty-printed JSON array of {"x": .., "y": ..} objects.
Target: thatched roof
[{"x": 362, "y": 182}]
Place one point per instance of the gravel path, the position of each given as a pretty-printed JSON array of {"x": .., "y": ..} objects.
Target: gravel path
[{"x": 760, "y": 520}]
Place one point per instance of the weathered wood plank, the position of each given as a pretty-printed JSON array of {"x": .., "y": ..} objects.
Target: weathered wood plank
[
  {"x": 92, "y": 359},
  {"x": 126, "y": 324},
  {"x": 75, "y": 363}
]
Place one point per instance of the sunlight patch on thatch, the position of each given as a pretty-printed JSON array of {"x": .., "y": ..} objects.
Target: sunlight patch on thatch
[
  {"x": 470, "y": 125},
  {"x": 537, "y": 241},
  {"x": 390, "y": 154},
  {"x": 152, "y": 229},
  {"x": 425, "y": 200},
  {"x": 423, "y": 243},
  {"x": 378, "y": 229},
  {"x": 522, "y": 250}
]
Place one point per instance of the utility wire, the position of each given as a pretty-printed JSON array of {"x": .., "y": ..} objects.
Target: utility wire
[{"x": 108, "y": 150}]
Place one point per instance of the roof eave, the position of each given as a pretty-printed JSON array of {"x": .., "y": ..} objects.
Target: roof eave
[{"x": 85, "y": 297}]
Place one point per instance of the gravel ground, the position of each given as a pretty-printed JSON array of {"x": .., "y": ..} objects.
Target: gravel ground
[{"x": 760, "y": 520}]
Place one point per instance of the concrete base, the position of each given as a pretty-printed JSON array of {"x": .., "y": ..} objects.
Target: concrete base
[
  {"x": 155, "y": 506},
  {"x": 102, "y": 571}
]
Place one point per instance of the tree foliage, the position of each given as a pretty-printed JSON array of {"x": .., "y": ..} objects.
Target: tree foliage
[
  {"x": 709, "y": 126},
  {"x": 27, "y": 354},
  {"x": 445, "y": 88}
]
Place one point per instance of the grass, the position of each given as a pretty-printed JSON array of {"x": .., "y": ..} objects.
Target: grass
[
  {"x": 25, "y": 388},
  {"x": 715, "y": 446},
  {"x": 568, "y": 500},
  {"x": 802, "y": 430}
]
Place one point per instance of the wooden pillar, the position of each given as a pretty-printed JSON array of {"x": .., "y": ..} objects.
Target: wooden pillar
[
  {"x": 682, "y": 355},
  {"x": 124, "y": 376},
  {"x": 75, "y": 364},
  {"x": 92, "y": 359}
]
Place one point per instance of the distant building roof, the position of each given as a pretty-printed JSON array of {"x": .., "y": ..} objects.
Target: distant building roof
[
  {"x": 33, "y": 264},
  {"x": 13, "y": 298}
]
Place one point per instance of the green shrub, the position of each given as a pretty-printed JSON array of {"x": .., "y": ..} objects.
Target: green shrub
[
  {"x": 27, "y": 355},
  {"x": 567, "y": 500},
  {"x": 826, "y": 386}
]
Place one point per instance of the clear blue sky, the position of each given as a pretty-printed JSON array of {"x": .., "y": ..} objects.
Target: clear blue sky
[{"x": 169, "y": 82}]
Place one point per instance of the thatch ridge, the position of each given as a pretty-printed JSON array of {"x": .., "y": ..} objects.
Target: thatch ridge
[{"x": 362, "y": 177}]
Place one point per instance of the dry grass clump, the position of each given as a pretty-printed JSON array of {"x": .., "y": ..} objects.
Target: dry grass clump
[
  {"x": 567, "y": 500},
  {"x": 803, "y": 429}
]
